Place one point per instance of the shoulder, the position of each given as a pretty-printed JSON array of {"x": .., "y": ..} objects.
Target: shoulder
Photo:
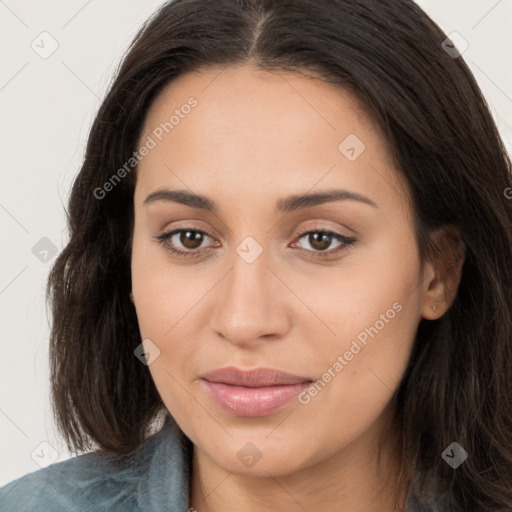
[
  {"x": 93, "y": 482},
  {"x": 87, "y": 482},
  {"x": 427, "y": 499}
]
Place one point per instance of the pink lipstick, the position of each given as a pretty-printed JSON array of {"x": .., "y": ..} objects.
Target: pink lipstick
[{"x": 252, "y": 393}]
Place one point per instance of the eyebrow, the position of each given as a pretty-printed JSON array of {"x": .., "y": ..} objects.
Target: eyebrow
[{"x": 284, "y": 205}]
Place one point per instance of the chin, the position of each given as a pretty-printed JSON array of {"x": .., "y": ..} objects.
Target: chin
[{"x": 258, "y": 456}]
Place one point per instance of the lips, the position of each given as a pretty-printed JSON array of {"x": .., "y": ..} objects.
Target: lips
[
  {"x": 257, "y": 378},
  {"x": 252, "y": 393}
]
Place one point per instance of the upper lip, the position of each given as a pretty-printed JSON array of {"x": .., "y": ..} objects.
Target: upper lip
[{"x": 258, "y": 377}]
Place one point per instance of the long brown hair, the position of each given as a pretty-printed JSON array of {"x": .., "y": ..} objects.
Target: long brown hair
[{"x": 390, "y": 55}]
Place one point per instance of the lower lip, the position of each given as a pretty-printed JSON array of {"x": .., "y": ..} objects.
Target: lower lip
[{"x": 252, "y": 402}]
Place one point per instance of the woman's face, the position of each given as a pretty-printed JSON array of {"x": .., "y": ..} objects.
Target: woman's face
[{"x": 338, "y": 311}]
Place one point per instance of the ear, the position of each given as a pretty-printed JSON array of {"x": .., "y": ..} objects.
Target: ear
[
  {"x": 441, "y": 277},
  {"x": 131, "y": 298}
]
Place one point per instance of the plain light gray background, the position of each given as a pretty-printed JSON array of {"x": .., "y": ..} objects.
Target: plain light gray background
[{"x": 47, "y": 106}]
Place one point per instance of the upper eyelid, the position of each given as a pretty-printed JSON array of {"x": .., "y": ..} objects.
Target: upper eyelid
[{"x": 317, "y": 225}]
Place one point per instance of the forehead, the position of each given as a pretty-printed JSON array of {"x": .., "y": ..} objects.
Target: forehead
[
  {"x": 252, "y": 131},
  {"x": 241, "y": 97}
]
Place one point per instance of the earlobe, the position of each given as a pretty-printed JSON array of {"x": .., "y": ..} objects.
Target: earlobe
[
  {"x": 440, "y": 289},
  {"x": 435, "y": 300},
  {"x": 433, "y": 289}
]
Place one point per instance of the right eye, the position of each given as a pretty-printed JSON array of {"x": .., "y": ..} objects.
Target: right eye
[{"x": 189, "y": 238}]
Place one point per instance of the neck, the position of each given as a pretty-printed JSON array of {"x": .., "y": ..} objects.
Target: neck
[{"x": 353, "y": 479}]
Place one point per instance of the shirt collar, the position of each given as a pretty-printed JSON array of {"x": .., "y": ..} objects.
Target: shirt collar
[{"x": 166, "y": 483}]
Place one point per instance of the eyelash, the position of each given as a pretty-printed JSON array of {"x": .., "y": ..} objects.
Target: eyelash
[{"x": 347, "y": 243}]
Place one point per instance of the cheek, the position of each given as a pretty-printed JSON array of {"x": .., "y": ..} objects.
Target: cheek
[
  {"x": 163, "y": 293},
  {"x": 162, "y": 318},
  {"x": 168, "y": 301},
  {"x": 359, "y": 370},
  {"x": 372, "y": 299},
  {"x": 371, "y": 344},
  {"x": 372, "y": 313}
]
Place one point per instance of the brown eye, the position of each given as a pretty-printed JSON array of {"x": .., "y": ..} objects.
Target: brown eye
[
  {"x": 320, "y": 240},
  {"x": 184, "y": 242},
  {"x": 187, "y": 242},
  {"x": 191, "y": 239}
]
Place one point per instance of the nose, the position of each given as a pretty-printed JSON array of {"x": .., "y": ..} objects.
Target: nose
[{"x": 252, "y": 305}]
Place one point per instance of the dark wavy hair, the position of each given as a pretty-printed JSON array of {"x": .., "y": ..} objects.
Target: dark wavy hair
[{"x": 446, "y": 147}]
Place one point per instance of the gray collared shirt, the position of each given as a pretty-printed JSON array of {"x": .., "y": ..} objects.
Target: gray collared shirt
[{"x": 153, "y": 479}]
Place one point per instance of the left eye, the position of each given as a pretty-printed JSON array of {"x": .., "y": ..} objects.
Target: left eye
[
  {"x": 321, "y": 238},
  {"x": 191, "y": 240}
]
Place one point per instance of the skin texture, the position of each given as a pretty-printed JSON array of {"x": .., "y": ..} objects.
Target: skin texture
[{"x": 253, "y": 138}]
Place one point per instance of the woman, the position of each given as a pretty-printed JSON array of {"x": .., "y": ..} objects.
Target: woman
[{"x": 290, "y": 241}]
